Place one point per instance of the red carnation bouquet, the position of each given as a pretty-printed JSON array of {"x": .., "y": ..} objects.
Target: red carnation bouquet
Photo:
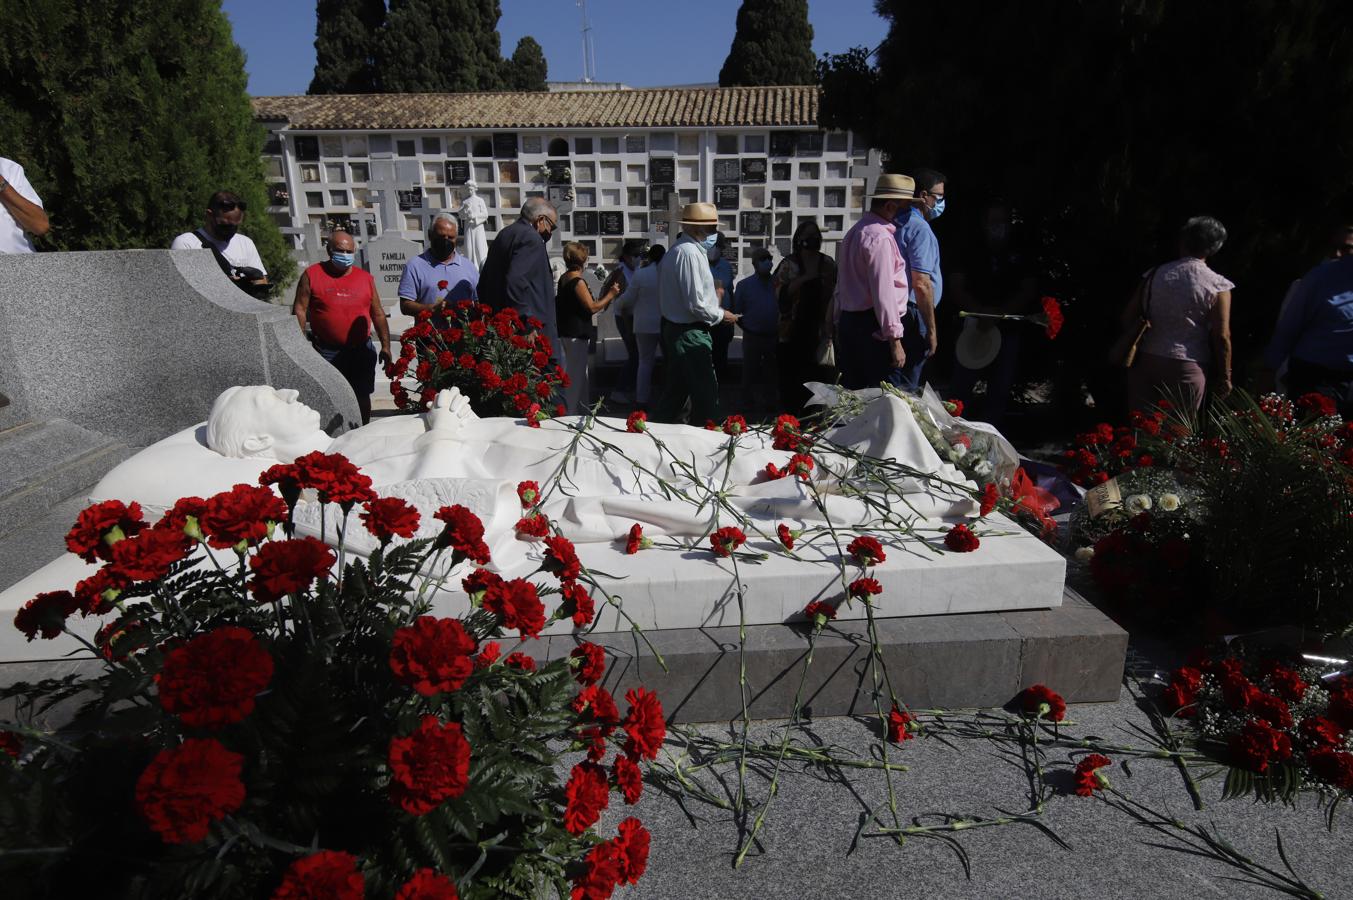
[
  {"x": 500, "y": 361},
  {"x": 262, "y": 725}
]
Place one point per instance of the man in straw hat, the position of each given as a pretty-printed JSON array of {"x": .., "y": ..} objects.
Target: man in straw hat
[
  {"x": 872, "y": 290},
  {"x": 690, "y": 308}
]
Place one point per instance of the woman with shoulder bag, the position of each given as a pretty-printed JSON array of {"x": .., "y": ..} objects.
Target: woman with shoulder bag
[{"x": 1177, "y": 327}]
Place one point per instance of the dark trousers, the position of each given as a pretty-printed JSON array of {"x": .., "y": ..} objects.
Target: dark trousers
[
  {"x": 863, "y": 359},
  {"x": 629, "y": 374},
  {"x": 357, "y": 365},
  {"x": 1304, "y": 377},
  {"x": 914, "y": 345},
  {"x": 688, "y": 353},
  {"x": 721, "y": 336}
]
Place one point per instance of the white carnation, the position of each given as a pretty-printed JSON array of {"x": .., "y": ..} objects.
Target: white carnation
[
  {"x": 1137, "y": 503},
  {"x": 1169, "y": 502},
  {"x": 982, "y": 468},
  {"x": 960, "y": 451}
]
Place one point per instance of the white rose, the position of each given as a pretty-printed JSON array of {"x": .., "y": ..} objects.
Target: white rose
[
  {"x": 1085, "y": 554},
  {"x": 982, "y": 468},
  {"x": 1169, "y": 502},
  {"x": 1137, "y": 503},
  {"x": 959, "y": 451}
]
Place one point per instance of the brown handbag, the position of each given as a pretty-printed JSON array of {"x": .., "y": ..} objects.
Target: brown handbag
[{"x": 1124, "y": 351}]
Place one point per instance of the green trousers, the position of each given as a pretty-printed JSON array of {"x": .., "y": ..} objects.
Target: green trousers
[{"x": 689, "y": 355}]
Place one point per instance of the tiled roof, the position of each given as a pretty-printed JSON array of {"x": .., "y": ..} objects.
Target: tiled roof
[{"x": 655, "y": 108}]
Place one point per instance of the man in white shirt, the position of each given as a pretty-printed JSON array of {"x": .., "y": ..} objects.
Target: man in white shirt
[
  {"x": 21, "y": 212},
  {"x": 221, "y": 233},
  {"x": 690, "y": 307}
]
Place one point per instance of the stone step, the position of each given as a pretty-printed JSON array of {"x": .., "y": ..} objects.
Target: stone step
[{"x": 45, "y": 463}]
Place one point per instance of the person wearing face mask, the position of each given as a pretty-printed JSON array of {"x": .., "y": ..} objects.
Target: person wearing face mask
[
  {"x": 631, "y": 258},
  {"x": 439, "y": 276},
  {"x": 722, "y": 334},
  {"x": 640, "y": 302},
  {"x": 921, "y": 252},
  {"x": 336, "y": 302},
  {"x": 759, "y": 318},
  {"x": 690, "y": 308},
  {"x": 804, "y": 283},
  {"x": 235, "y": 252},
  {"x": 517, "y": 274},
  {"x": 872, "y": 290}
]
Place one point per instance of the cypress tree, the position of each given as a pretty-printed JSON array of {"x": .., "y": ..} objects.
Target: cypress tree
[
  {"x": 527, "y": 70},
  {"x": 127, "y": 116},
  {"x": 441, "y": 45},
  {"x": 346, "y": 32},
  {"x": 773, "y": 45}
]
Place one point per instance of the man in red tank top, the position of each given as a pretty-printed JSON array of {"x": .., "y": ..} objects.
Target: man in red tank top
[{"x": 337, "y": 303}]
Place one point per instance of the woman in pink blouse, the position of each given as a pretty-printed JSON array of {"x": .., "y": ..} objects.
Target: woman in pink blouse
[{"x": 1189, "y": 308}]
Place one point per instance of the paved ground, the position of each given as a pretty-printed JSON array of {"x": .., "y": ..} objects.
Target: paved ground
[{"x": 810, "y": 846}]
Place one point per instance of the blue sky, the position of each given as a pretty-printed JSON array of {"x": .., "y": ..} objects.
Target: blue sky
[{"x": 640, "y": 43}]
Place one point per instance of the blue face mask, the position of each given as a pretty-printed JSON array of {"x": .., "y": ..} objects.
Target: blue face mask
[
  {"x": 763, "y": 266},
  {"x": 343, "y": 260},
  {"x": 710, "y": 241},
  {"x": 937, "y": 211}
]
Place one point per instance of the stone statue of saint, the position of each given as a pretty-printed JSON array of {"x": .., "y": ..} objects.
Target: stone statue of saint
[
  {"x": 475, "y": 212},
  {"x": 611, "y": 478}
]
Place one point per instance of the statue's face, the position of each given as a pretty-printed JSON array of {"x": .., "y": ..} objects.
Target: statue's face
[
  {"x": 282, "y": 415},
  {"x": 264, "y": 422}
]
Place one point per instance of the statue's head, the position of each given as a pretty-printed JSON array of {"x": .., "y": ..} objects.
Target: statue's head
[{"x": 265, "y": 423}]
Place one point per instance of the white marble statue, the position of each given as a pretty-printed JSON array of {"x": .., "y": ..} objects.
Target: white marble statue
[
  {"x": 450, "y": 455},
  {"x": 475, "y": 212}
]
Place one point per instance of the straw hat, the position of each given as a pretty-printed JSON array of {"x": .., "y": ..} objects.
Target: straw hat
[
  {"x": 699, "y": 214},
  {"x": 895, "y": 187},
  {"x": 977, "y": 345}
]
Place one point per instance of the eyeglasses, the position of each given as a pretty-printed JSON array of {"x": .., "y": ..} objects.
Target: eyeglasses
[
  {"x": 229, "y": 206},
  {"x": 554, "y": 226}
]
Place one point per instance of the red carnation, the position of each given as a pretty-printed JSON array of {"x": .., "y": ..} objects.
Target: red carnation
[
  {"x": 734, "y": 425},
  {"x": 12, "y": 745},
  {"x": 441, "y": 285},
  {"x": 635, "y": 540},
  {"x": 1318, "y": 731},
  {"x": 787, "y": 432},
  {"x": 628, "y": 778},
  {"x": 1053, "y": 311},
  {"x": 529, "y": 493},
  {"x": 480, "y": 580},
  {"x": 1317, "y": 404},
  {"x": 327, "y": 875},
  {"x": 100, "y": 526},
  {"x": 637, "y": 421},
  {"x": 1257, "y": 744},
  {"x": 866, "y": 550},
  {"x": 819, "y": 613},
  {"x": 1285, "y": 682},
  {"x": 428, "y": 766},
  {"x": 212, "y": 680},
  {"x": 1039, "y": 701},
  {"x": 488, "y": 655},
  {"x": 288, "y": 567},
  {"x": 577, "y": 604},
  {"x": 863, "y": 588},
  {"x": 46, "y": 613},
  {"x": 533, "y": 526},
  {"x": 1271, "y": 709},
  {"x": 1182, "y": 692},
  {"x": 602, "y": 870},
  {"x": 386, "y": 517},
  {"x": 773, "y": 472},
  {"x": 186, "y": 788},
  {"x": 727, "y": 539},
  {"x": 644, "y": 724},
  {"x": 954, "y": 407},
  {"x": 561, "y": 559},
  {"x": 464, "y": 533},
  {"x": 433, "y": 656},
  {"x": 176, "y": 518},
  {"x": 97, "y": 593},
  {"x": 150, "y": 554},
  {"x": 898, "y": 722},
  {"x": 786, "y": 536},
  {"x": 1088, "y": 779},
  {"x": 428, "y": 884},
  {"x": 591, "y": 663},
  {"x": 800, "y": 465},
  {"x": 586, "y": 795},
  {"x": 243, "y": 514},
  {"x": 334, "y": 478},
  {"x": 517, "y": 604},
  {"x": 112, "y": 634},
  {"x": 521, "y": 662},
  {"x": 960, "y": 539},
  {"x": 1334, "y": 767},
  {"x": 632, "y": 841},
  {"x": 988, "y": 498}
]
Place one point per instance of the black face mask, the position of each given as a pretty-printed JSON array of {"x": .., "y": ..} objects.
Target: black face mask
[
  {"x": 442, "y": 247},
  {"x": 225, "y": 231}
]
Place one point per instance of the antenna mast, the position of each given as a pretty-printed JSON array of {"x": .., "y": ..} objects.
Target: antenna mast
[{"x": 589, "y": 57}]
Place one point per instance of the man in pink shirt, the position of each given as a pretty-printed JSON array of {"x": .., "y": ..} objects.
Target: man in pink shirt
[{"x": 871, "y": 290}]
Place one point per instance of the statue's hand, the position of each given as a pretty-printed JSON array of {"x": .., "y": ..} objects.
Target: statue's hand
[{"x": 450, "y": 410}]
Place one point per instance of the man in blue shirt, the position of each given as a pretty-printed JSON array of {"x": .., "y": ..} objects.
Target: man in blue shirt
[
  {"x": 1314, "y": 335},
  {"x": 921, "y": 252},
  {"x": 754, "y": 301},
  {"x": 439, "y": 276}
]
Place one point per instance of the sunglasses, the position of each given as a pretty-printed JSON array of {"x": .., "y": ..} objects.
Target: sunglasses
[{"x": 229, "y": 206}]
